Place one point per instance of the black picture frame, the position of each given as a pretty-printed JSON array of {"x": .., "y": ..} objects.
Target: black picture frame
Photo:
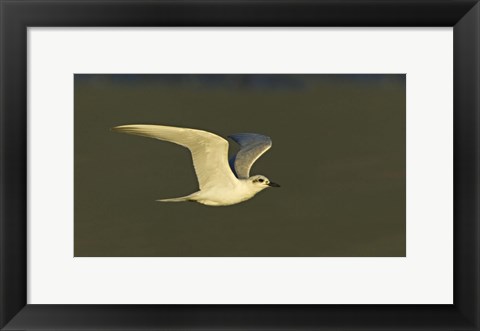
[{"x": 17, "y": 15}]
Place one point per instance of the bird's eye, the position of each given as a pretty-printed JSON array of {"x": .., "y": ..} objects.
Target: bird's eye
[{"x": 260, "y": 180}]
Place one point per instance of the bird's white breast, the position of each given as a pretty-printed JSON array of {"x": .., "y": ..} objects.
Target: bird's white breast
[{"x": 227, "y": 195}]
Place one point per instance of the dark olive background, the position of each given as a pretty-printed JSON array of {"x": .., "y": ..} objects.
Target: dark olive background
[{"x": 338, "y": 152}]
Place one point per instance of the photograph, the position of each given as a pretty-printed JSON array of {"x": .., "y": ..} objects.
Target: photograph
[{"x": 240, "y": 165}]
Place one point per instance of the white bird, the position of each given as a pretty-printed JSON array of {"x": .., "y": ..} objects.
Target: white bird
[{"x": 219, "y": 184}]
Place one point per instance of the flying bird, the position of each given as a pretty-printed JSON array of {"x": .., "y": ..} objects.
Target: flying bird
[{"x": 222, "y": 182}]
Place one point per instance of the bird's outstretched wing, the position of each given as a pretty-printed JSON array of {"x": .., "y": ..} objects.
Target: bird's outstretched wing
[
  {"x": 209, "y": 151},
  {"x": 253, "y": 146}
]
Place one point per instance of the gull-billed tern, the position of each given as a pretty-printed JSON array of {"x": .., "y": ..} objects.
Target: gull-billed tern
[{"x": 219, "y": 184}]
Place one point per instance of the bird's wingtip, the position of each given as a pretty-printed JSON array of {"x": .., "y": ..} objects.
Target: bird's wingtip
[
  {"x": 116, "y": 128},
  {"x": 123, "y": 128}
]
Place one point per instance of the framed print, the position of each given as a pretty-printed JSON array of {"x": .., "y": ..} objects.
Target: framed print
[{"x": 244, "y": 165}]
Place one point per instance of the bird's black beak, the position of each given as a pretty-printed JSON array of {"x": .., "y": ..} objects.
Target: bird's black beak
[{"x": 273, "y": 184}]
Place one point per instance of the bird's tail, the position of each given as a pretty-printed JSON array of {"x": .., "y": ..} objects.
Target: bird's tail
[
  {"x": 180, "y": 199},
  {"x": 174, "y": 199}
]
